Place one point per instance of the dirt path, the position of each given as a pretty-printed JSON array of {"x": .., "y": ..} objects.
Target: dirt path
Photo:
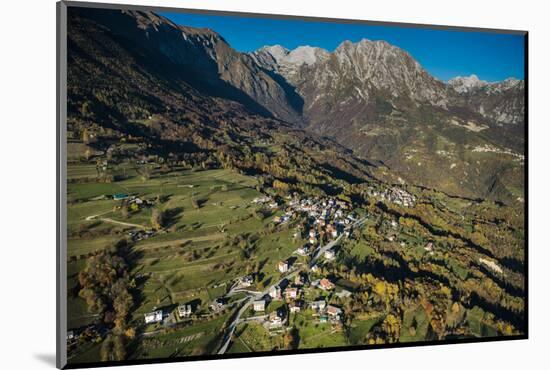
[{"x": 110, "y": 220}]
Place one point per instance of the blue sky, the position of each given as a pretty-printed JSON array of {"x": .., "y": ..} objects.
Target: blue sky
[{"x": 445, "y": 54}]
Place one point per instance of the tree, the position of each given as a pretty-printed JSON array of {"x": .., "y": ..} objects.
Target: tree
[
  {"x": 157, "y": 219},
  {"x": 85, "y": 136},
  {"x": 145, "y": 173},
  {"x": 291, "y": 339},
  {"x": 124, "y": 211},
  {"x": 392, "y": 328}
]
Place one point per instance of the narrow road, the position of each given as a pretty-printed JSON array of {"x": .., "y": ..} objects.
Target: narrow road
[{"x": 332, "y": 243}]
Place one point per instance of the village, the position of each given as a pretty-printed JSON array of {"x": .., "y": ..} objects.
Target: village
[{"x": 301, "y": 287}]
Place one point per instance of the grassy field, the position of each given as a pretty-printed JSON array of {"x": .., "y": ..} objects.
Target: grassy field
[
  {"x": 200, "y": 338},
  {"x": 318, "y": 335},
  {"x": 360, "y": 328},
  {"x": 415, "y": 325},
  {"x": 192, "y": 257}
]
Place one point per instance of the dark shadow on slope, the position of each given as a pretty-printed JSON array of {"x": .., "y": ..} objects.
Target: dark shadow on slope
[{"x": 293, "y": 98}]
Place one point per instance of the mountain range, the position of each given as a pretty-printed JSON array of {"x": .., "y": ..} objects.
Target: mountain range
[{"x": 464, "y": 137}]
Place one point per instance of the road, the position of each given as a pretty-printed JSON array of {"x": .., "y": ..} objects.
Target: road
[
  {"x": 257, "y": 295},
  {"x": 332, "y": 243}
]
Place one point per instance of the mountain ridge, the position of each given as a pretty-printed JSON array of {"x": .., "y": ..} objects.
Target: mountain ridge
[{"x": 370, "y": 96}]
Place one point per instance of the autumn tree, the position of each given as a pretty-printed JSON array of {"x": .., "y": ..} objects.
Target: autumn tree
[{"x": 157, "y": 219}]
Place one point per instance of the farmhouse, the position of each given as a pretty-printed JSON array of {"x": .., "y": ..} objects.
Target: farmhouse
[
  {"x": 185, "y": 310},
  {"x": 283, "y": 266},
  {"x": 325, "y": 284},
  {"x": 153, "y": 317},
  {"x": 259, "y": 305},
  {"x": 333, "y": 311}
]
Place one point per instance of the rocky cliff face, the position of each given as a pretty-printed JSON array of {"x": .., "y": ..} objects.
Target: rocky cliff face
[
  {"x": 210, "y": 64},
  {"x": 501, "y": 102}
]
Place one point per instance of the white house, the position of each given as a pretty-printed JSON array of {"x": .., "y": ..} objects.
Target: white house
[
  {"x": 318, "y": 305},
  {"x": 283, "y": 266},
  {"x": 185, "y": 310},
  {"x": 259, "y": 306},
  {"x": 217, "y": 305},
  {"x": 275, "y": 292},
  {"x": 153, "y": 317}
]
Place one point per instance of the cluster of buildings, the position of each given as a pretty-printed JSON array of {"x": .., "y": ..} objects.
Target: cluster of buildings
[
  {"x": 265, "y": 200},
  {"x": 328, "y": 218},
  {"x": 326, "y": 312},
  {"x": 330, "y": 215},
  {"x": 292, "y": 294},
  {"x": 325, "y": 212},
  {"x": 157, "y": 316},
  {"x": 395, "y": 195}
]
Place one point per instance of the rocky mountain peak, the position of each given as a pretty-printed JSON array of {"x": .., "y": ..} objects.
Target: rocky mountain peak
[
  {"x": 466, "y": 84},
  {"x": 277, "y": 52},
  {"x": 306, "y": 55}
]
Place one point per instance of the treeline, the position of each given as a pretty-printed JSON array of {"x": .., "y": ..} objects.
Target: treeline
[{"x": 106, "y": 286}]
